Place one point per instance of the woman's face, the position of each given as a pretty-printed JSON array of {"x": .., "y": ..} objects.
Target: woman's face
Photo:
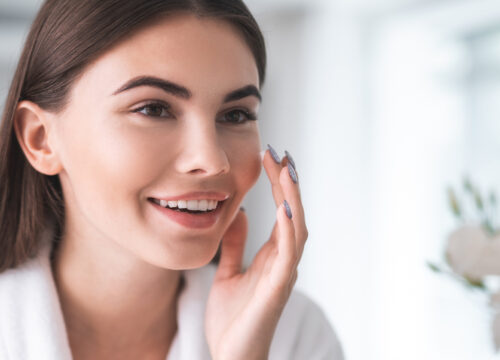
[{"x": 164, "y": 115}]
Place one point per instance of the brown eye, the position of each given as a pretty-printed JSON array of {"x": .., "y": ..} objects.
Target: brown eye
[
  {"x": 154, "y": 110},
  {"x": 237, "y": 117}
]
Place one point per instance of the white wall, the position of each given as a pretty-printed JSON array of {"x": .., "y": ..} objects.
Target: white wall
[
  {"x": 384, "y": 128},
  {"x": 425, "y": 137}
]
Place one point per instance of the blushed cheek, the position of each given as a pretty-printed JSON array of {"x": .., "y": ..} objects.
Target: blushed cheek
[
  {"x": 247, "y": 166},
  {"x": 107, "y": 167}
]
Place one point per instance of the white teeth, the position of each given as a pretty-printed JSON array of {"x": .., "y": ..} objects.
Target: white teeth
[
  {"x": 212, "y": 204},
  {"x": 195, "y": 205},
  {"x": 192, "y": 205},
  {"x": 203, "y": 205}
]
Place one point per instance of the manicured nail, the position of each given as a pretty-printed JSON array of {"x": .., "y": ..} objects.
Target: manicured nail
[
  {"x": 242, "y": 209},
  {"x": 288, "y": 210},
  {"x": 274, "y": 154},
  {"x": 292, "y": 173},
  {"x": 290, "y": 159}
]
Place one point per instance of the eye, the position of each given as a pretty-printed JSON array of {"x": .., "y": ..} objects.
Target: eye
[
  {"x": 154, "y": 109},
  {"x": 238, "y": 116}
]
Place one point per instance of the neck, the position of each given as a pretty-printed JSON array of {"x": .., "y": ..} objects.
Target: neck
[{"x": 113, "y": 302}]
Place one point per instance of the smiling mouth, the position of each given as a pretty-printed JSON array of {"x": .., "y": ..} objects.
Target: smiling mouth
[{"x": 189, "y": 206}]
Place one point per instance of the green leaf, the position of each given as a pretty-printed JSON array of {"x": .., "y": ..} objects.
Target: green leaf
[
  {"x": 468, "y": 185},
  {"x": 433, "y": 267},
  {"x": 473, "y": 283},
  {"x": 478, "y": 200},
  {"x": 453, "y": 202}
]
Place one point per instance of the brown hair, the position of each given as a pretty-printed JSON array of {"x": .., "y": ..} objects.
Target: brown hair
[{"x": 64, "y": 38}]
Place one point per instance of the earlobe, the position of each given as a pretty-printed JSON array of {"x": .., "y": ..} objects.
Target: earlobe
[{"x": 32, "y": 127}]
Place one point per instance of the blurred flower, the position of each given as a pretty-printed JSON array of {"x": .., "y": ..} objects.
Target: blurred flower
[{"x": 472, "y": 253}]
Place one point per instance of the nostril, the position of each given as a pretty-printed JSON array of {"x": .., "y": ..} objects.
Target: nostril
[{"x": 202, "y": 159}]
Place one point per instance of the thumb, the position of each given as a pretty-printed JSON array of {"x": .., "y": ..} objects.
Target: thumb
[{"x": 233, "y": 246}]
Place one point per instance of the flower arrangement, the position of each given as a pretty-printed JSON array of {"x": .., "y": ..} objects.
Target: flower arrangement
[{"x": 472, "y": 254}]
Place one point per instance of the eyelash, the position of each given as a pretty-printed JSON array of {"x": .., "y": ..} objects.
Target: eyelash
[
  {"x": 162, "y": 105},
  {"x": 250, "y": 116}
]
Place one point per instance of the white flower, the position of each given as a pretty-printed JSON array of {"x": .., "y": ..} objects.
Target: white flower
[{"x": 472, "y": 253}]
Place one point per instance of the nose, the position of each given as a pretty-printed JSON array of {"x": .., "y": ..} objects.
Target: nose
[{"x": 201, "y": 151}]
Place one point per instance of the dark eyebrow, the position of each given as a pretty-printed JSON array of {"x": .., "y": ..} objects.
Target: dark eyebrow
[
  {"x": 181, "y": 91},
  {"x": 243, "y": 92},
  {"x": 164, "y": 85}
]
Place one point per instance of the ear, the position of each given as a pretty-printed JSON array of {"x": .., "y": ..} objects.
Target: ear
[{"x": 32, "y": 126}]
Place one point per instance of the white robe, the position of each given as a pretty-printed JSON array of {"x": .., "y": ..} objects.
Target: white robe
[{"x": 32, "y": 325}]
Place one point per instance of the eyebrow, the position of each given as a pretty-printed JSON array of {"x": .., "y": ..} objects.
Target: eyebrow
[
  {"x": 181, "y": 91},
  {"x": 243, "y": 92}
]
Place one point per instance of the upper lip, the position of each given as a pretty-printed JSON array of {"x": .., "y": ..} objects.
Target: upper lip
[{"x": 196, "y": 195}]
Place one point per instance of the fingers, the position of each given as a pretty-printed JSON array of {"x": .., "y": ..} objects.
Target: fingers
[
  {"x": 287, "y": 249},
  {"x": 284, "y": 182},
  {"x": 233, "y": 246},
  {"x": 292, "y": 195},
  {"x": 273, "y": 170},
  {"x": 284, "y": 188}
]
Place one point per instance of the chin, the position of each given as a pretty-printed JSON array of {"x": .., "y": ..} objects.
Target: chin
[
  {"x": 188, "y": 262},
  {"x": 188, "y": 265}
]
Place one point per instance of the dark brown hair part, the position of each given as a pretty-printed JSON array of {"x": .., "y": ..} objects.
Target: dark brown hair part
[{"x": 65, "y": 37}]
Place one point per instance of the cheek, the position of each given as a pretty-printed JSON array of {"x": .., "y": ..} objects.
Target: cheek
[
  {"x": 108, "y": 164},
  {"x": 244, "y": 156}
]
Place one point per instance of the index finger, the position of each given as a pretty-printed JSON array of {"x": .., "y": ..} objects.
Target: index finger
[{"x": 273, "y": 170}]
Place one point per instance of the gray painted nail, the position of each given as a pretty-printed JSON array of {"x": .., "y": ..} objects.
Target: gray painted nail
[
  {"x": 242, "y": 209},
  {"x": 288, "y": 210},
  {"x": 274, "y": 154},
  {"x": 293, "y": 173},
  {"x": 290, "y": 159}
]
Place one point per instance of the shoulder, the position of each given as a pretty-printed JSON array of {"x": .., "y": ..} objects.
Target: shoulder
[
  {"x": 32, "y": 325},
  {"x": 30, "y": 272},
  {"x": 33, "y": 272},
  {"x": 304, "y": 332}
]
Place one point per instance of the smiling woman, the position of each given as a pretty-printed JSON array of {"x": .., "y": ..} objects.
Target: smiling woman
[{"x": 128, "y": 143}]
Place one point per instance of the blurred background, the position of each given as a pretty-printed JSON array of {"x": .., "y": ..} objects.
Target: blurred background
[{"x": 383, "y": 104}]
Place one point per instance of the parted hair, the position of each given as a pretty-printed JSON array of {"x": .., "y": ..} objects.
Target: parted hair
[{"x": 65, "y": 37}]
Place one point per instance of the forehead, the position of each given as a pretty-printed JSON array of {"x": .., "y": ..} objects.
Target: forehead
[{"x": 204, "y": 55}]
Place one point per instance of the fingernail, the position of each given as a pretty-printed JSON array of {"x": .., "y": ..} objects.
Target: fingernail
[
  {"x": 274, "y": 154},
  {"x": 292, "y": 173},
  {"x": 288, "y": 210},
  {"x": 242, "y": 208},
  {"x": 290, "y": 159}
]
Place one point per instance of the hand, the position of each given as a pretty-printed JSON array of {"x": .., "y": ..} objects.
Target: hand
[{"x": 243, "y": 308}]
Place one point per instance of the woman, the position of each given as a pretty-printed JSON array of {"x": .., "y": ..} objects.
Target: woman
[{"x": 128, "y": 143}]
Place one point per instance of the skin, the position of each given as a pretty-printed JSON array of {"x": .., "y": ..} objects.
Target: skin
[{"x": 117, "y": 267}]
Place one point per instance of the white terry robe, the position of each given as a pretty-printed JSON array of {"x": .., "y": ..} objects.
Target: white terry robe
[{"x": 32, "y": 325}]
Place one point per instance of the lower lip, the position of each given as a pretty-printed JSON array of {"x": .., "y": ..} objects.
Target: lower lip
[{"x": 192, "y": 221}]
